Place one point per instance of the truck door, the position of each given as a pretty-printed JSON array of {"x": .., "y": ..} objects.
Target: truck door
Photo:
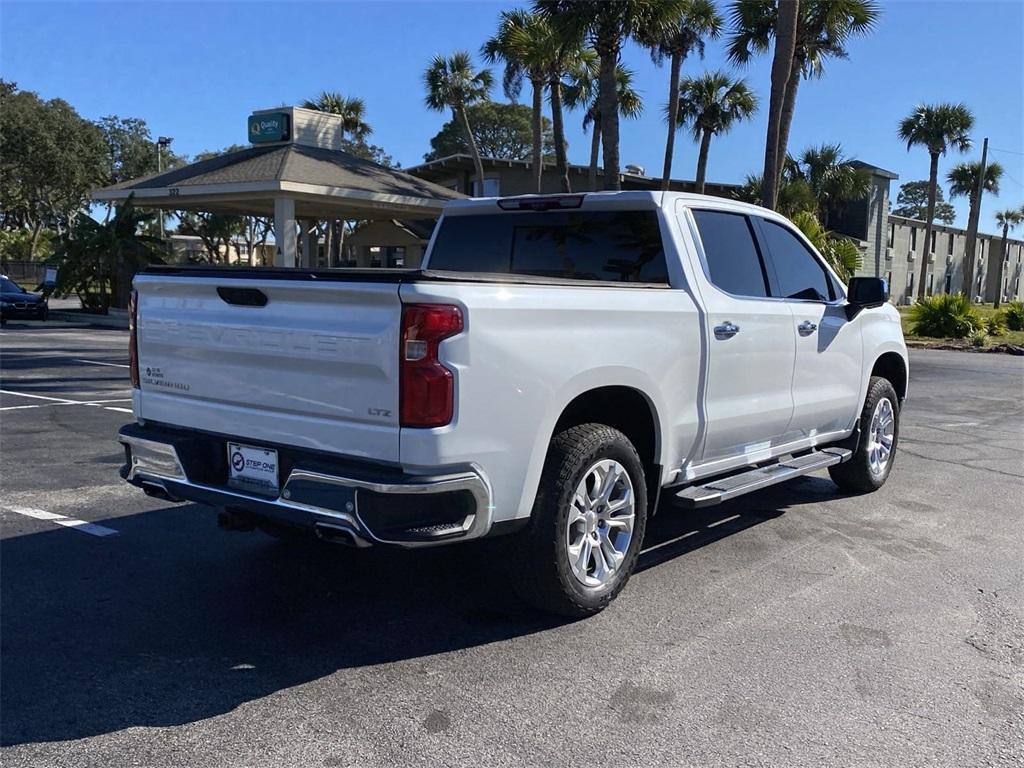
[
  {"x": 827, "y": 372},
  {"x": 750, "y": 340}
]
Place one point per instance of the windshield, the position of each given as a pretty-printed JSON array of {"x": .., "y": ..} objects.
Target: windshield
[{"x": 9, "y": 286}]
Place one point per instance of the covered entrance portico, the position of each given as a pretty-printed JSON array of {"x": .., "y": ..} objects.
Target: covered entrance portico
[{"x": 298, "y": 178}]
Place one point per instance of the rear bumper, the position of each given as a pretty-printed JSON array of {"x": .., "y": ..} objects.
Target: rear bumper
[{"x": 368, "y": 504}]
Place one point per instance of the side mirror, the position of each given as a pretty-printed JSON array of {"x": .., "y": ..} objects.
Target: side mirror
[{"x": 865, "y": 292}]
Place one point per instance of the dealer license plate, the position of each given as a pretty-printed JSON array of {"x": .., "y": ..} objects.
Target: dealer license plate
[{"x": 252, "y": 468}]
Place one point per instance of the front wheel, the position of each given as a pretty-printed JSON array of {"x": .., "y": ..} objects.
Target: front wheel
[
  {"x": 870, "y": 465},
  {"x": 588, "y": 522}
]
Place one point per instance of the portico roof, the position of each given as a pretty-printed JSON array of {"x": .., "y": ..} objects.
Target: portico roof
[{"x": 324, "y": 183}]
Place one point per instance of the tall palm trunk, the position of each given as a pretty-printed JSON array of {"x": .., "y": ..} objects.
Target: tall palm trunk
[
  {"x": 933, "y": 182},
  {"x": 608, "y": 103},
  {"x": 786, "y": 121},
  {"x": 999, "y": 267},
  {"x": 702, "y": 160},
  {"x": 782, "y": 65},
  {"x": 595, "y": 151},
  {"x": 558, "y": 128},
  {"x": 463, "y": 117},
  {"x": 673, "y": 117},
  {"x": 536, "y": 125}
]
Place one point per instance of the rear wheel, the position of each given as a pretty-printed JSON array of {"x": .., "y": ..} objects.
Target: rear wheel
[
  {"x": 871, "y": 463},
  {"x": 587, "y": 524}
]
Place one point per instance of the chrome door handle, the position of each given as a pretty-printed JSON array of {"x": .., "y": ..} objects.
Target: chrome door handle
[
  {"x": 806, "y": 328},
  {"x": 726, "y": 330}
]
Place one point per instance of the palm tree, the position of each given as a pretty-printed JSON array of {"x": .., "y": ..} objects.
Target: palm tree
[
  {"x": 453, "y": 83},
  {"x": 352, "y": 111},
  {"x": 711, "y": 104},
  {"x": 583, "y": 92},
  {"x": 935, "y": 127},
  {"x": 963, "y": 182},
  {"x": 833, "y": 180},
  {"x": 821, "y": 31},
  {"x": 1007, "y": 219},
  {"x": 794, "y": 195},
  {"x": 570, "y": 62},
  {"x": 526, "y": 43},
  {"x": 607, "y": 24},
  {"x": 698, "y": 20}
]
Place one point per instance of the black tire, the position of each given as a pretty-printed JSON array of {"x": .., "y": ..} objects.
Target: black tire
[
  {"x": 547, "y": 579},
  {"x": 857, "y": 475}
]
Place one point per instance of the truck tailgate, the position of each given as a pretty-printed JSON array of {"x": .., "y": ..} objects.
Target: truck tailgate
[{"x": 315, "y": 366}]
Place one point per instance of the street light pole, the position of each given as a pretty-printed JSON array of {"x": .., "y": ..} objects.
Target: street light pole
[{"x": 161, "y": 143}]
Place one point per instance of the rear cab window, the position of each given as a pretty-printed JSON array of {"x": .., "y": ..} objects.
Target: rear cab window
[{"x": 621, "y": 246}]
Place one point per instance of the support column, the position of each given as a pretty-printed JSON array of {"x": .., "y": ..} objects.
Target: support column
[
  {"x": 308, "y": 245},
  {"x": 284, "y": 232}
]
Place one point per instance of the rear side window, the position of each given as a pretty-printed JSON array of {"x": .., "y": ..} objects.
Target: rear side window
[
  {"x": 733, "y": 260},
  {"x": 800, "y": 274},
  {"x": 615, "y": 246}
]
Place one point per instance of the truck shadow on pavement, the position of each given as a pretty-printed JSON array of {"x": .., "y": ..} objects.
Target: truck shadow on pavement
[{"x": 174, "y": 621}]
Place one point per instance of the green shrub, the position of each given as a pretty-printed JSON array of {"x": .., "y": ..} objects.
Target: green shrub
[
  {"x": 978, "y": 338},
  {"x": 1014, "y": 314},
  {"x": 945, "y": 316},
  {"x": 995, "y": 325}
]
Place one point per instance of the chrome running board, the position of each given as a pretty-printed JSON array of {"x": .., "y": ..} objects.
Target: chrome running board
[{"x": 731, "y": 486}]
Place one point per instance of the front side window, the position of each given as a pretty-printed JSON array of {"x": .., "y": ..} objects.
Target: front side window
[
  {"x": 800, "y": 274},
  {"x": 614, "y": 246},
  {"x": 733, "y": 260}
]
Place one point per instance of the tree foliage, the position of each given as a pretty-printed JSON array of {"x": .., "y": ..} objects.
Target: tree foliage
[
  {"x": 97, "y": 260},
  {"x": 840, "y": 252},
  {"x": 500, "y": 130},
  {"x": 833, "y": 179},
  {"x": 131, "y": 150},
  {"x": 912, "y": 202},
  {"x": 50, "y": 159}
]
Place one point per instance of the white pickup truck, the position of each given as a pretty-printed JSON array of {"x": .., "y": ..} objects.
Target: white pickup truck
[{"x": 557, "y": 364}]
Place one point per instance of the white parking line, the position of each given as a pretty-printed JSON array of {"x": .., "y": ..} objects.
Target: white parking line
[
  {"x": 40, "y": 397},
  {"x": 67, "y": 522},
  {"x": 97, "y": 362},
  {"x": 55, "y": 401}
]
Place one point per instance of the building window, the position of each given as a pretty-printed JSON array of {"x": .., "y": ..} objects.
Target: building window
[
  {"x": 949, "y": 249},
  {"x": 932, "y": 249},
  {"x": 913, "y": 238},
  {"x": 492, "y": 188},
  {"x": 892, "y": 234},
  {"x": 948, "y": 286},
  {"x": 931, "y": 282}
]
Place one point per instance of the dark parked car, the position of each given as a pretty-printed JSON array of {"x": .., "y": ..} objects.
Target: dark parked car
[{"x": 16, "y": 302}]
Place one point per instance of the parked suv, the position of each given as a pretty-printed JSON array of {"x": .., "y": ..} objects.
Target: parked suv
[{"x": 557, "y": 364}]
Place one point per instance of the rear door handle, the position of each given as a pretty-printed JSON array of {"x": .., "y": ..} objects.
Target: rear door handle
[
  {"x": 726, "y": 330},
  {"x": 806, "y": 328}
]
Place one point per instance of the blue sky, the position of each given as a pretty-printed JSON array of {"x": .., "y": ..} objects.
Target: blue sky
[{"x": 195, "y": 70}]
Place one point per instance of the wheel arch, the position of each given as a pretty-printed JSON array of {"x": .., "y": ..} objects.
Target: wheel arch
[
  {"x": 893, "y": 367},
  {"x": 632, "y": 413}
]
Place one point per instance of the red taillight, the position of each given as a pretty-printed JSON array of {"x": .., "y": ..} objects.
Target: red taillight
[
  {"x": 427, "y": 387},
  {"x": 133, "y": 338}
]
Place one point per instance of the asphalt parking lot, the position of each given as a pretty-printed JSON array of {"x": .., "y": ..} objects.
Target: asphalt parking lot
[{"x": 794, "y": 627}]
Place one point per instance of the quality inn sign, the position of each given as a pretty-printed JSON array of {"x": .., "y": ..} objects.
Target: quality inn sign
[{"x": 268, "y": 126}]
